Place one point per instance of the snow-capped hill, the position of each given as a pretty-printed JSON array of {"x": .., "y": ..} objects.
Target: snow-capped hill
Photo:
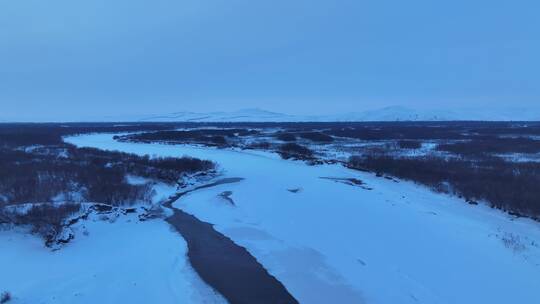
[
  {"x": 258, "y": 115},
  {"x": 392, "y": 113},
  {"x": 245, "y": 115}
]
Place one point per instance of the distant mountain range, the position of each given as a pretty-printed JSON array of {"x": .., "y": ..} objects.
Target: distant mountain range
[
  {"x": 394, "y": 113},
  {"x": 245, "y": 115}
]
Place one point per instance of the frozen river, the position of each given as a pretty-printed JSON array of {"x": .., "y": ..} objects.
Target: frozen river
[{"x": 330, "y": 242}]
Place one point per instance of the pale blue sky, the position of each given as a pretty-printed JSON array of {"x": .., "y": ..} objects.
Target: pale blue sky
[{"x": 67, "y": 58}]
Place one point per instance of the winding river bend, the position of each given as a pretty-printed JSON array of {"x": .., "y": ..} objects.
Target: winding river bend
[
  {"x": 228, "y": 268},
  {"x": 334, "y": 242}
]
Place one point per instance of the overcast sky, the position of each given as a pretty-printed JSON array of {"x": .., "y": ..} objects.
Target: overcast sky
[{"x": 68, "y": 59}]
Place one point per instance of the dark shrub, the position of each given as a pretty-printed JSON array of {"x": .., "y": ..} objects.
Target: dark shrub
[
  {"x": 409, "y": 144},
  {"x": 218, "y": 140},
  {"x": 47, "y": 220},
  {"x": 4, "y": 216},
  {"x": 317, "y": 137},
  {"x": 5, "y": 297},
  {"x": 286, "y": 137},
  {"x": 260, "y": 145},
  {"x": 292, "y": 150}
]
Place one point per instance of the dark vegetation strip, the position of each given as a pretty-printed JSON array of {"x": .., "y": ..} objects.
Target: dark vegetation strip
[
  {"x": 295, "y": 151},
  {"x": 314, "y": 136},
  {"x": 52, "y": 133},
  {"x": 493, "y": 145},
  {"x": 205, "y": 136},
  {"x": 36, "y": 165},
  {"x": 317, "y": 137},
  {"x": 229, "y": 268},
  {"x": 430, "y": 130},
  {"x": 85, "y": 174},
  {"x": 510, "y": 186},
  {"x": 410, "y": 144},
  {"x": 284, "y": 136}
]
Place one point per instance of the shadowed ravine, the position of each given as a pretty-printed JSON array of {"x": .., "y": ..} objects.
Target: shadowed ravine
[{"x": 227, "y": 267}]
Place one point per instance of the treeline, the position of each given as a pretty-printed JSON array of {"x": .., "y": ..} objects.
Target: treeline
[
  {"x": 165, "y": 169},
  {"x": 492, "y": 145},
  {"x": 51, "y": 134},
  {"x": 26, "y": 177},
  {"x": 434, "y": 130},
  {"x": 508, "y": 186},
  {"x": 85, "y": 175},
  {"x": 205, "y": 136}
]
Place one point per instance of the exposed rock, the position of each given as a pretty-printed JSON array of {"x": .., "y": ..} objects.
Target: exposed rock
[
  {"x": 226, "y": 195},
  {"x": 294, "y": 190}
]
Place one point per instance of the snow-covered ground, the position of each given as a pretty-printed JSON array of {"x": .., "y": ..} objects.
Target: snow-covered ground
[
  {"x": 125, "y": 261},
  {"x": 330, "y": 242}
]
